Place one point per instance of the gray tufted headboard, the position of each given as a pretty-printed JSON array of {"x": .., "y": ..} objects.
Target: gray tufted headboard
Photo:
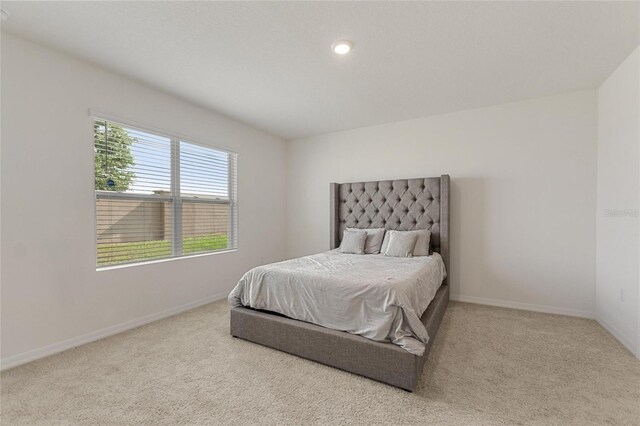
[{"x": 402, "y": 204}]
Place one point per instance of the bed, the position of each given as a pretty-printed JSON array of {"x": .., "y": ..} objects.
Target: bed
[{"x": 398, "y": 360}]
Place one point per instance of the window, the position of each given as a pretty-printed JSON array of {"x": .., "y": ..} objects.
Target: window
[{"x": 159, "y": 196}]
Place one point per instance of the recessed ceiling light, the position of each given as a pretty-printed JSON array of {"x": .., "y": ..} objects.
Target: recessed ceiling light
[
  {"x": 4, "y": 15},
  {"x": 342, "y": 47}
]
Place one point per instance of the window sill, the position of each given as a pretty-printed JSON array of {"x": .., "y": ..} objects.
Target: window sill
[{"x": 168, "y": 259}]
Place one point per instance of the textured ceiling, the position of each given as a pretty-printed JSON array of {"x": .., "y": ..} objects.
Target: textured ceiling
[{"x": 270, "y": 64}]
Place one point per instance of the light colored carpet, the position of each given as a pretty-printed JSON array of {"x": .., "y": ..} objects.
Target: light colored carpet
[{"x": 488, "y": 366}]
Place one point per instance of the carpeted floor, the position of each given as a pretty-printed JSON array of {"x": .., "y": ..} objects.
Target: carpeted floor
[{"x": 488, "y": 366}]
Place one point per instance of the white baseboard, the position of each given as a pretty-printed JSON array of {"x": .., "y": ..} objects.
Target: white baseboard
[
  {"x": 44, "y": 351},
  {"x": 523, "y": 306},
  {"x": 626, "y": 342},
  {"x": 32, "y": 355}
]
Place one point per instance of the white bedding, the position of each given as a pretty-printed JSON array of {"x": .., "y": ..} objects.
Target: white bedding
[{"x": 378, "y": 297}]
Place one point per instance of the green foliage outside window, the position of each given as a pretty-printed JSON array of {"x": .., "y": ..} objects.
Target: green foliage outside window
[{"x": 113, "y": 158}]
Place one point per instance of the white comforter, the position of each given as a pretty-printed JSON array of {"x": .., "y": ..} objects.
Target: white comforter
[{"x": 378, "y": 297}]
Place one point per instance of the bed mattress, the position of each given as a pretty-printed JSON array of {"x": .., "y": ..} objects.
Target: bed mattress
[{"x": 378, "y": 297}]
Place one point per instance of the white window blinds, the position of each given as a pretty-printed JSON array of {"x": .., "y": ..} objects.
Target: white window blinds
[{"x": 160, "y": 197}]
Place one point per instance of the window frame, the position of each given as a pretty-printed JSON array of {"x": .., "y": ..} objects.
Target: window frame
[{"x": 174, "y": 197}]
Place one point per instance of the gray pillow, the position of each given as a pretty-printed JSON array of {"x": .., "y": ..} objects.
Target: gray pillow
[
  {"x": 353, "y": 241},
  {"x": 422, "y": 244},
  {"x": 373, "y": 243},
  {"x": 401, "y": 244}
]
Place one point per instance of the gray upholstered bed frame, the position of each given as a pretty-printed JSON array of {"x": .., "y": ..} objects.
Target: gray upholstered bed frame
[{"x": 402, "y": 204}]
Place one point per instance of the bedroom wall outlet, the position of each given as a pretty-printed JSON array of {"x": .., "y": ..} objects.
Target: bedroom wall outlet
[{"x": 622, "y": 295}]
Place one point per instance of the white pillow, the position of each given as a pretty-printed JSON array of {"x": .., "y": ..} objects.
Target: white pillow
[
  {"x": 353, "y": 241},
  {"x": 422, "y": 244},
  {"x": 401, "y": 244},
  {"x": 373, "y": 243}
]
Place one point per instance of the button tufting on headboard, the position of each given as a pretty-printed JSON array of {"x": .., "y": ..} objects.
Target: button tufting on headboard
[{"x": 402, "y": 204}]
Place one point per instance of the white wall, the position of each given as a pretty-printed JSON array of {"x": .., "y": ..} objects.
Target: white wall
[
  {"x": 523, "y": 194},
  {"x": 618, "y": 233},
  {"x": 50, "y": 288}
]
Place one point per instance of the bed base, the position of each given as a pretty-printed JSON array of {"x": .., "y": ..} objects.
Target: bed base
[{"x": 384, "y": 362}]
